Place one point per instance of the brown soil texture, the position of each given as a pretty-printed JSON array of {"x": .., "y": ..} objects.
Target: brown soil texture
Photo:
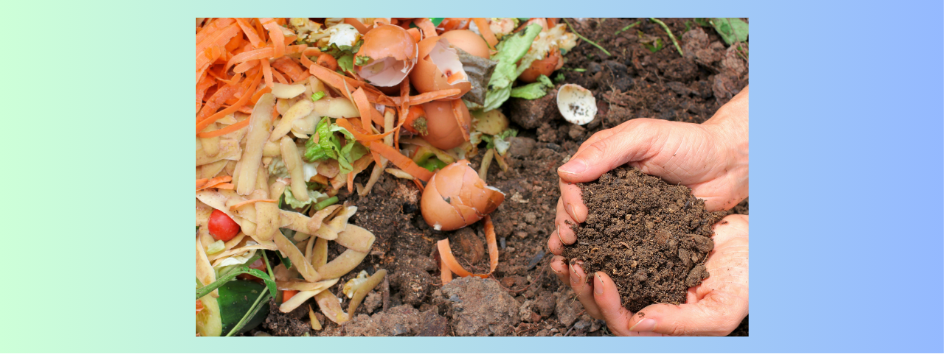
[
  {"x": 650, "y": 236},
  {"x": 631, "y": 83}
]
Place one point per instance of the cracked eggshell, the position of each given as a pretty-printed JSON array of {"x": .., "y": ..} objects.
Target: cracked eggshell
[
  {"x": 576, "y": 104},
  {"x": 468, "y": 41},
  {"x": 456, "y": 197},
  {"x": 393, "y": 55},
  {"x": 438, "y": 62},
  {"x": 544, "y": 66},
  {"x": 443, "y": 132}
]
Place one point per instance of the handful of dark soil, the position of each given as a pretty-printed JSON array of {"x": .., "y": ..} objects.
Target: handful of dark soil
[{"x": 651, "y": 237}]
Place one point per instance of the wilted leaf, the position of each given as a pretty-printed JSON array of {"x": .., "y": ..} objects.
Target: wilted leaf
[{"x": 731, "y": 29}]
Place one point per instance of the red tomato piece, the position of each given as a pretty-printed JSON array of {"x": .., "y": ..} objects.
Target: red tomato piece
[{"x": 222, "y": 227}]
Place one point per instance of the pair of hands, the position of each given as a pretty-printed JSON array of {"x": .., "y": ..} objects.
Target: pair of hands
[{"x": 712, "y": 160}]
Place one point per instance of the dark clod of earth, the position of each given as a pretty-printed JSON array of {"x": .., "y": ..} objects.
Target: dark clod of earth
[{"x": 650, "y": 236}]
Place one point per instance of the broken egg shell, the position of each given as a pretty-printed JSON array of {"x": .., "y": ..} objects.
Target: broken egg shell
[
  {"x": 544, "y": 66},
  {"x": 468, "y": 41},
  {"x": 392, "y": 53},
  {"x": 442, "y": 129},
  {"x": 437, "y": 62},
  {"x": 576, "y": 104},
  {"x": 446, "y": 200}
]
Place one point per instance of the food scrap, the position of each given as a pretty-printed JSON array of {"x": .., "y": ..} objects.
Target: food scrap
[{"x": 290, "y": 110}]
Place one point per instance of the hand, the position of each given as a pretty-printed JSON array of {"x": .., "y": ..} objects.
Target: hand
[
  {"x": 709, "y": 158},
  {"x": 713, "y": 308}
]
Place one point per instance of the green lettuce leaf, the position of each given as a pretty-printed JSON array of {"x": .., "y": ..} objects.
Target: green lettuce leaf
[
  {"x": 329, "y": 146},
  {"x": 511, "y": 50},
  {"x": 533, "y": 90}
]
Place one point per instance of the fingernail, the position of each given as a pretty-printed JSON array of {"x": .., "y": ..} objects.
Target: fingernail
[
  {"x": 573, "y": 167},
  {"x": 599, "y": 289},
  {"x": 571, "y": 210},
  {"x": 558, "y": 233},
  {"x": 645, "y": 325},
  {"x": 575, "y": 279}
]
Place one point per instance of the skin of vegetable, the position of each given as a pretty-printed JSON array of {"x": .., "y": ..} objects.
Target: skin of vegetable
[
  {"x": 456, "y": 197},
  {"x": 222, "y": 227}
]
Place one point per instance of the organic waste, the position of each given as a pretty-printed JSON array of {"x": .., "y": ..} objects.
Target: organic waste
[
  {"x": 329, "y": 150},
  {"x": 290, "y": 111}
]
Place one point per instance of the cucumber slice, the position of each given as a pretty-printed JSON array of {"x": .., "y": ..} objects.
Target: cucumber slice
[
  {"x": 221, "y": 314},
  {"x": 208, "y": 320}
]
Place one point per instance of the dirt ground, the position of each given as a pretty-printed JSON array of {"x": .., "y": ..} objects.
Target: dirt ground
[{"x": 523, "y": 297}]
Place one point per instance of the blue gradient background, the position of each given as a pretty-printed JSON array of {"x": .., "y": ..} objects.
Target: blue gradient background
[{"x": 847, "y": 160}]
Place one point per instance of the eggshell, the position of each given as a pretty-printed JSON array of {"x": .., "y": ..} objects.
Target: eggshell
[
  {"x": 576, "y": 104},
  {"x": 456, "y": 197},
  {"x": 468, "y": 41},
  {"x": 437, "y": 61},
  {"x": 543, "y": 67},
  {"x": 443, "y": 131},
  {"x": 393, "y": 54}
]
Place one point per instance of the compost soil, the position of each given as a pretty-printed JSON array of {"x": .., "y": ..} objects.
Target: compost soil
[
  {"x": 650, "y": 236},
  {"x": 523, "y": 297}
]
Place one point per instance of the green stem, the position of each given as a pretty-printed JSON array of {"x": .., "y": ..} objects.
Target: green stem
[
  {"x": 626, "y": 28},
  {"x": 249, "y": 314},
  {"x": 670, "y": 33},
  {"x": 585, "y": 39},
  {"x": 325, "y": 203}
]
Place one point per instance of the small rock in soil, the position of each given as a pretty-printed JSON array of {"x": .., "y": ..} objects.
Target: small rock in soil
[
  {"x": 529, "y": 114},
  {"x": 483, "y": 309},
  {"x": 568, "y": 307},
  {"x": 412, "y": 283},
  {"x": 521, "y": 147},
  {"x": 372, "y": 302},
  {"x": 545, "y": 304},
  {"x": 398, "y": 321}
]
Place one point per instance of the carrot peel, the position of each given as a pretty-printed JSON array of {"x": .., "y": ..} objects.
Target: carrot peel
[{"x": 447, "y": 258}]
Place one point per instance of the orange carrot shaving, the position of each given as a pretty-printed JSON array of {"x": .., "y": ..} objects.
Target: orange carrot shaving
[
  {"x": 327, "y": 61},
  {"x": 267, "y": 72},
  {"x": 243, "y": 67},
  {"x": 359, "y": 134},
  {"x": 552, "y": 22},
  {"x": 218, "y": 38},
  {"x": 216, "y": 100},
  {"x": 224, "y": 186},
  {"x": 418, "y": 184},
  {"x": 281, "y": 79},
  {"x": 250, "y": 32},
  {"x": 401, "y": 161},
  {"x": 288, "y": 294},
  {"x": 446, "y": 275},
  {"x": 202, "y": 86},
  {"x": 351, "y": 182},
  {"x": 251, "y": 201},
  {"x": 212, "y": 28},
  {"x": 290, "y": 68},
  {"x": 458, "y": 108},
  {"x": 243, "y": 100},
  {"x": 252, "y": 55},
  {"x": 211, "y": 183},
  {"x": 446, "y": 255},
  {"x": 483, "y": 26},
  {"x": 275, "y": 33},
  {"x": 427, "y": 97},
  {"x": 426, "y": 26},
  {"x": 368, "y": 113}
]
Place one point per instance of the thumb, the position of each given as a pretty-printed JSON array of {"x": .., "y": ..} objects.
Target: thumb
[
  {"x": 708, "y": 317},
  {"x": 632, "y": 142}
]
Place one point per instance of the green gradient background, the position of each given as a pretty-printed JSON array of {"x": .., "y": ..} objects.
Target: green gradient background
[{"x": 99, "y": 167}]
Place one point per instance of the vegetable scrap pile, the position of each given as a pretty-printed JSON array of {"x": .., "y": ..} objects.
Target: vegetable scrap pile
[{"x": 289, "y": 111}]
